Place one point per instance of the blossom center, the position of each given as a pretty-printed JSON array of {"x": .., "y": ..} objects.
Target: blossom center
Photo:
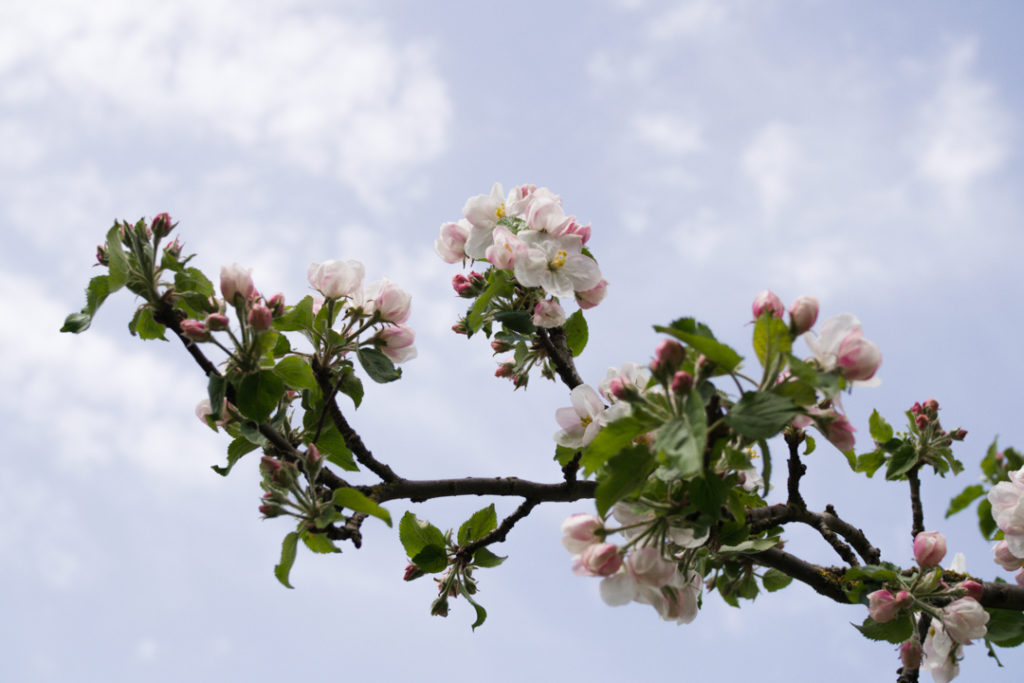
[
  {"x": 559, "y": 259},
  {"x": 586, "y": 420},
  {"x": 500, "y": 211}
]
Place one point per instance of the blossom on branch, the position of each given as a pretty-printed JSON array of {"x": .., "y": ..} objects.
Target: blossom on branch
[
  {"x": 841, "y": 344},
  {"x": 336, "y": 279}
]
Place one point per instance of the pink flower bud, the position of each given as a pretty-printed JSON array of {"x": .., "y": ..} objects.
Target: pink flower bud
[
  {"x": 216, "y": 322},
  {"x": 922, "y": 421},
  {"x": 162, "y": 225},
  {"x": 581, "y": 530},
  {"x": 505, "y": 370},
  {"x": 276, "y": 304},
  {"x": 270, "y": 466},
  {"x": 972, "y": 588},
  {"x": 767, "y": 301},
  {"x": 803, "y": 314},
  {"x": 682, "y": 382},
  {"x": 622, "y": 389},
  {"x": 839, "y": 432},
  {"x": 412, "y": 572},
  {"x": 195, "y": 330},
  {"x": 451, "y": 245},
  {"x": 398, "y": 342},
  {"x": 593, "y": 296},
  {"x": 858, "y": 358},
  {"x": 1004, "y": 558},
  {"x": 910, "y": 654},
  {"x": 462, "y": 286},
  {"x": 260, "y": 317},
  {"x": 668, "y": 356},
  {"x": 929, "y": 548},
  {"x": 964, "y": 619},
  {"x": 600, "y": 559},
  {"x": 459, "y": 328},
  {"x": 236, "y": 281},
  {"x": 102, "y": 257},
  {"x": 883, "y": 606},
  {"x": 958, "y": 434},
  {"x": 916, "y": 408},
  {"x": 931, "y": 406},
  {"x": 548, "y": 313}
]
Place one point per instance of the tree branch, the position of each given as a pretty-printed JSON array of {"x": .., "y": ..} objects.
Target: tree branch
[
  {"x": 499, "y": 534},
  {"x": 915, "y": 501},
  {"x": 782, "y": 513},
  {"x": 419, "y": 491},
  {"x": 825, "y": 580},
  {"x": 557, "y": 348}
]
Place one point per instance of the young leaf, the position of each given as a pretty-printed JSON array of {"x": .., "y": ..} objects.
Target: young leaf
[
  {"x": 771, "y": 337},
  {"x": 332, "y": 444},
  {"x": 258, "y": 394},
  {"x": 903, "y": 460},
  {"x": 216, "y": 388},
  {"x": 116, "y": 261},
  {"x": 881, "y": 431},
  {"x": 699, "y": 337},
  {"x": 378, "y": 366},
  {"x": 354, "y": 500},
  {"x": 145, "y": 326},
  {"x": 774, "y": 580},
  {"x": 479, "y": 525},
  {"x": 296, "y": 373},
  {"x": 964, "y": 498},
  {"x": 625, "y": 473},
  {"x": 576, "y": 332},
  {"x": 485, "y": 558},
  {"x": 416, "y": 534},
  {"x": 612, "y": 439},
  {"x": 895, "y": 631},
  {"x": 236, "y": 449},
  {"x": 319, "y": 543},
  {"x": 517, "y": 321},
  {"x": 288, "y": 547},
  {"x": 297, "y": 317},
  {"x": 1005, "y": 627},
  {"x": 761, "y": 415}
]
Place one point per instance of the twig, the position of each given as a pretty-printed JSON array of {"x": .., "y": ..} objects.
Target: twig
[
  {"x": 557, "y": 348},
  {"x": 419, "y": 491},
  {"x": 915, "y": 501},
  {"x": 499, "y": 534}
]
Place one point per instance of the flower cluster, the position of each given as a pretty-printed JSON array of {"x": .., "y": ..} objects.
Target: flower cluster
[{"x": 1007, "y": 499}]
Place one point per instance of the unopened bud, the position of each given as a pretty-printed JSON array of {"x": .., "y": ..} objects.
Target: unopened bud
[
  {"x": 173, "y": 248},
  {"x": 973, "y": 589},
  {"x": 195, "y": 330},
  {"x": 931, "y": 407},
  {"x": 269, "y": 465},
  {"x": 313, "y": 456},
  {"x": 216, "y": 322},
  {"x": 460, "y": 328},
  {"x": 767, "y": 301},
  {"x": 468, "y": 287},
  {"x": 102, "y": 257},
  {"x": 276, "y": 304},
  {"x": 439, "y": 608},
  {"x": 505, "y": 370},
  {"x": 260, "y": 317},
  {"x": 520, "y": 381},
  {"x": 910, "y": 655},
  {"x": 958, "y": 434},
  {"x": 412, "y": 572},
  {"x": 162, "y": 225},
  {"x": 682, "y": 382},
  {"x": 803, "y": 314},
  {"x": 622, "y": 389},
  {"x": 501, "y": 346},
  {"x": 922, "y": 421},
  {"x": 668, "y": 356},
  {"x": 916, "y": 408}
]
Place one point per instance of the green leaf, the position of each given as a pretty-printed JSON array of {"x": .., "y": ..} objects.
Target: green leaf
[
  {"x": 624, "y": 474},
  {"x": 431, "y": 559},
  {"x": 761, "y": 415},
  {"x": 95, "y": 294},
  {"x": 810, "y": 445},
  {"x": 258, "y": 394},
  {"x": 698, "y": 336},
  {"x": 485, "y": 558},
  {"x": 416, "y": 534},
  {"x": 332, "y": 444},
  {"x": 288, "y": 547},
  {"x": 236, "y": 449},
  {"x": 564, "y": 455},
  {"x": 481, "y": 613},
  {"x": 576, "y": 332},
  {"x": 774, "y": 580},
  {"x": 881, "y": 431},
  {"x": 885, "y": 572},
  {"x": 297, "y": 317},
  {"x": 709, "y": 493},
  {"x": 352, "y": 387},
  {"x": 868, "y": 463},
  {"x": 193, "y": 280},
  {"x": 964, "y": 498},
  {"x": 378, "y": 366},
  {"x": 751, "y": 545},
  {"x": 143, "y": 325},
  {"x": 611, "y": 439},
  {"x": 517, "y": 321},
  {"x": 76, "y": 322},
  {"x": 216, "y": 389},
  {"x": 355, "y": 500},
  {"x": 499, "y": 285},
  {"x": 771, "y": 337},
  {"x": 903, "y": 460},
  {"x": 1005, "y": 627},
  {"x": 319, "y": 543},
  {"x": 896, "y": 631},
  {"x": 117, "y": 263},
  {"x": 296, "y": 373},
  {"x": 478, "y": 525},
  {"x": 986, "y": 523},
  {"x": 683, "y": 439}
]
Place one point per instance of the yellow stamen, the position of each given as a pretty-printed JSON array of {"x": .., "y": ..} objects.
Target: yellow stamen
[
  {"x": 586, "y": 420},
  {"x": 559, "y": 259},
  {"x": 500, "y": 211}
]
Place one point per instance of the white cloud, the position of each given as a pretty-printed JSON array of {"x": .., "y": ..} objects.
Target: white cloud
[
  {"x": 770, "y": 162},
  {"x": 688, "y": 20},
  {"x": 666, "y": 133},
  {"x": 325, "y": 93},
  {"x": 964, "y": 129}
]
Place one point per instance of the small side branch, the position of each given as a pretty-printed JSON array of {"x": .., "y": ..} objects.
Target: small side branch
[
  {"x": 915, "y": 501},
  {"x": 782, "y": 513},
  {"x": 796, "y": 469},
  {"x": 824, "y": 580},
  {"x": 465, "y": 553},
  {"x": 419, "y": 491},
  {"x": 557, "y": 348}
]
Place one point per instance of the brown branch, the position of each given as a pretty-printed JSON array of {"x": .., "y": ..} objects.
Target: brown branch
[
  {"x": 419, "y": 491},
  {"x": 782, "y": 513},
  {"x": 498, "y": 535},
  {"x": 796, "y": 469},
  {"x": 824, "y": 580},
  {"x": 557, "y": 348},
  {"x": 915, "y": 501}
]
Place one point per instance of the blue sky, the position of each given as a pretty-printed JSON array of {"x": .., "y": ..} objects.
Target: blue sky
[{"x": 864, "y": 153}]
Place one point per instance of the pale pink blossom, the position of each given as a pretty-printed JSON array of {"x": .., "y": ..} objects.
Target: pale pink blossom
[
  {"x": 1007, "y": 498},
  {"x": 803, "y": 314},
  {"x": 581, "y": 530},
  {"x": 831, "y": 423},
  {"x": 883, "y": 606},
  {"x": 556, "y": 264},
  {"x": 593, "y": 296},
  {"x": 570, "y": 227},
  {"x": 929, "y": 548},
  {"x": 687, "y": 537},
  {"x": 483, "y": 213},
  {"x": 965, "y": 619},
  {"x": 841, "y": 344},
  {"x": 451, "y": 245},
  {"x": 676, "y": 602},
  {"x": 398, "y": 342},
  {"x": 941, "y": 654},
  {"x": 647, "y": 567},
  {"x": 767, "y": 301},
  {"x": 548, "y": 313},
  {"x": 910, "y": 654},
  {"x": 631, "y": 374},
  {"x": 236, "y": 280},
  {"x": 502, "y": 254},
  {"x": 618, "y": 589},
  {"x": 336, "y": 279},
  {"x": 1004, "y": 558},
  {"x": 580, "y": 423},
  {"x": 260, "y": 317},
  {"x": 598, "y": 559},
  {"x": 389, "y": 300}
]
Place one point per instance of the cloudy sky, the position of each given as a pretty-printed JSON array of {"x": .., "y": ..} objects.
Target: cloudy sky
[{"x": 865, "y": 153}]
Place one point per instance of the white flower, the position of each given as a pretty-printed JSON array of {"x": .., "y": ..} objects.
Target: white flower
[
  {"x": 337, "y": 279},
  {"x": 965, "y": 619},
  {"x": 580, "y": 423},
  {"x": 941, "y": 654},
  {"x": 841, "y": 344},
  {"x": 555, "y": 263},
  {"x": 1007, "y": 498}
]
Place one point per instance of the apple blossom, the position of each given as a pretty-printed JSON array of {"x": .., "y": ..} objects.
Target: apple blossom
[
  {"x": 941, "y": 654},
  {"x": 398, "y": 341},
  {"x": 235, "y": 280},
  {"x": 336, "y": 279},
  {"x": 1007, "y": 499},
  {"x": 502, "y": 254},
  {"x": 929, "y": 548},
  {"x": 580, "y": 423},
  {"x": 389, "y": 301},
  {"x": 910, "y": 654},
  {"x": 965, "y": 619},
  {"x": 593, "y": 296},
  {"x": 883, "y": 606},
  {"x": 548, "y": 313},
  {"x": 260, "y": 317},
  {"x": 767, "y": 301},
  {"x": 1004, "y": 558},
  {"x": 841, "y": 344},
  {"x": 833, "y": 424},
  {"x": 556, "y": 264},
  {"x": 676, "y": 602},
  {"x": 646, "y": 565},
  {"x": 598, "y": 559},
  {"x": 581, "y": 530},
  {"x": 195, "y": 330},
  {"x": 803, "y": 313},
  {"x": 483, "y": 213},
  {"x": 451, "y": 245},
  {"x": 632, "y": 378},
  {"x": 618, "y": 589}
]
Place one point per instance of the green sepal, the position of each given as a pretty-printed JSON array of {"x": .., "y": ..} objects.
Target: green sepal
[
  {"x": 378, "y": 366},
  {"x": 284, "y": 568},
  {"x": 576, "y": 332},
  {"x": 481, "y": 523},
  {"x": 355, "y": 500}
]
